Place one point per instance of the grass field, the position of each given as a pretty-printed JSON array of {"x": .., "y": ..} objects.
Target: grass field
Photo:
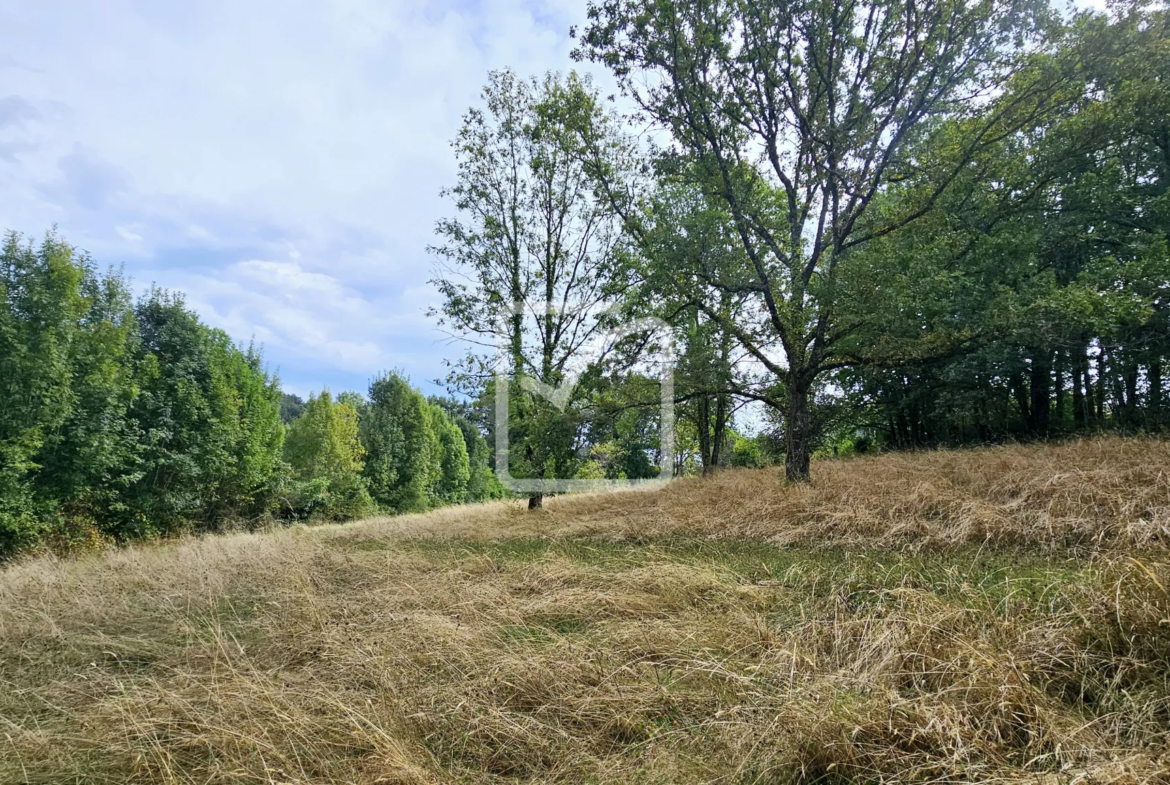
[{"x": 991, "y": 615}]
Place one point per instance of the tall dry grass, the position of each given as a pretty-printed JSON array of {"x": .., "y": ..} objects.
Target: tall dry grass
[
  {"x": 701, "y": 634},
  {"x": 1087, "y": 494}
]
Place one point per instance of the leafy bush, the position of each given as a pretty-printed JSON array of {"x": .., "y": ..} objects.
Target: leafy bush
[{"x": 746, "y": 452}]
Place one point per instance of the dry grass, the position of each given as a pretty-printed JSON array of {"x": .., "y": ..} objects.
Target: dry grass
[
  {"x": 999, "y": 615},
  {"x": 1083, "y": 495}
]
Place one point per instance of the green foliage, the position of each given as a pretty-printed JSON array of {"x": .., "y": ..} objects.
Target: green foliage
[
  {"x": 208, "y": 417},
  {"x": 530, "y": 253},
  {"x": 325, "y": 454},
  {"x": 126, "y": 420},
  {"x": 404, "y": 453},
  {"x": 421, "y": 454},
  {"x": 454, "y": 463},
  {"x": 482, "y": 483},
  {"x": 64, "y": 383},
  {"x": 122, "y": 420},
  {"x": 787, "y": 121},
  {"x": 622, "y": 438},
  {"x": 542, "y": 439},
  {"x": 592, "y": 469},
  {"x": 746, "y": 452},
  {"x": 1031, "y": 301},
  {"x": 291, "y": 407}
]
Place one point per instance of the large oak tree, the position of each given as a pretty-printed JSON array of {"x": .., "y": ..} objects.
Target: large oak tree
[{"x": 795, "y": 117}]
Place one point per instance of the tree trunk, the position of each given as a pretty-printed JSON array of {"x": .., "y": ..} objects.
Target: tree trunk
[
  {"x": 1154, "y": 378},
  {"x": 1112, "y": 365},
  {"x": 1078, "y": 391},
  {"x": 1100, "y": 392},
  {"x": 915, "y": 424},
  {"x": 703, "y": 426},
  {"x": 1017, "y": 382},
  {"x": 982, "y": 432},
  {"x": 722, "y": 404},
  {"x": 798, "y": 434},
  {"x": 712, "y": 429},
  {"x": 1058, "y": 376},
  {"x": 1131, "y": 382},
  {"x": 719, "y": 437},
  {"x": 536, "y": 501},
  {"x": 1090, "y": 411},
  {"x": 1041, "y": 389}
]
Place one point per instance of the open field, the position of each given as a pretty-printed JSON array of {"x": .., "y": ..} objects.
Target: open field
[{"x": 993, "y": 615}]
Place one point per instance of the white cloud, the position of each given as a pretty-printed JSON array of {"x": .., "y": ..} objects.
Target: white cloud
[
  {"x": 280, "y": 160},
  {"x": 306, "y": 314}
]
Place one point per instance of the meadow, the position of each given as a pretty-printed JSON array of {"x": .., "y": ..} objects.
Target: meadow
[{"x": 991, "y": 615}]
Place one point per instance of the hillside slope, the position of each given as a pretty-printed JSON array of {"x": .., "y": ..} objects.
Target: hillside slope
[{"x": 992, "y": 615}]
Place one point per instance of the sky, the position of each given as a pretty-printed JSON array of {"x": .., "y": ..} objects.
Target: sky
[{"x": 279, "y": 161}]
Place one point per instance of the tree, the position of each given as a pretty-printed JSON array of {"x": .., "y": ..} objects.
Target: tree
[
  {"x": 1050, "y": 257},
  {"x": 251, "y": 412},
  {"x": 686, "y": 239},
  {"x": 404, "y": 463},
  {"x": 794, "y": 117},
  {"x": 454, "y": 463},
  {"x": 207, "y": 417},
  {"x": 1121, "y": 185},
  {"x": 325, "y": 454},
  {"x": 481, "y": 481},
  {"x": 531, "y": 255},
  {"x": 291, "y": 407},
  {"x": 622, "y": 439},
  {"x": 122, "y": 420},
  {"x": 66, "y": 382}
]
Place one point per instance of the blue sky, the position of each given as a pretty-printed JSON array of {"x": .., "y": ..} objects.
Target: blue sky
[{"x": 280, "y": 161}]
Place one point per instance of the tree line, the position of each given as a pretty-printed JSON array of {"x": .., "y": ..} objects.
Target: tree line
[
  {"x": 127, "y": 418},
  {"x": 888, "y": 225},
  {"x": 393, "y": 451}
]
